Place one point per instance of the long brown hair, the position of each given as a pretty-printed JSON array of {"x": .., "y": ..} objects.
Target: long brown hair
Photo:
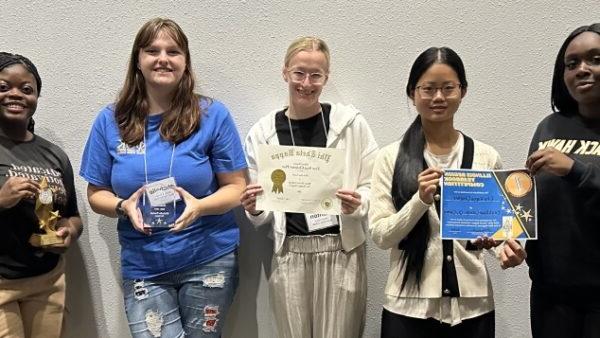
[{"x": 131, "y": 108}]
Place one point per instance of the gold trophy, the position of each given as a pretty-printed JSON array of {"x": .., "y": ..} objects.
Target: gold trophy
[{"x": 47, "y": 218}]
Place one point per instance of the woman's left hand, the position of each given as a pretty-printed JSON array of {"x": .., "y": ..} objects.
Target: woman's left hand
[
  {"x": 68, "y": 232},
  {"x": 191, "y": 212},
  {"x": 350, "y": 200}
]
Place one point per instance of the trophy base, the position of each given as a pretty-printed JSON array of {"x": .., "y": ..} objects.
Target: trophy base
[{"x": 39, "y": 240}]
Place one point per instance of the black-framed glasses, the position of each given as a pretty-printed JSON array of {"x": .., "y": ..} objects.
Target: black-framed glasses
[{"x": 449, "y": 90}]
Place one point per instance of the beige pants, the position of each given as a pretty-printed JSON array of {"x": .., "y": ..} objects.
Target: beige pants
[
  {"x": 33, "y": 307},
  {"x": 317, "y": 290}
]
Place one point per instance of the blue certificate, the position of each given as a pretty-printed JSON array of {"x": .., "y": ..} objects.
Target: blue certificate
[{"x": 500, "y": 204}]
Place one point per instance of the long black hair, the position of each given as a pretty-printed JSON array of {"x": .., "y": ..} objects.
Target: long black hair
[
  {"x": 8, "y": 59},
  {"x": 410, "y": 161},
  {"x": 561, "y": 100}
]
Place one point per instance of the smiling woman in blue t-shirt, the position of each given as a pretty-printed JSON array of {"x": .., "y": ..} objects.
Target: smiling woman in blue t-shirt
[{"x": 180, "y": 279}]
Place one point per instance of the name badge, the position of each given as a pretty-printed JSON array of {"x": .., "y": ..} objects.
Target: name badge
[
  {"x": 162, "y": 192},
  {"x": 316, "y": 222}
]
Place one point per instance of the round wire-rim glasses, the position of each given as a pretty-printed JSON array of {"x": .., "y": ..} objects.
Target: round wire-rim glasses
[
  {"x": 298, "y": 76},
  {"x": 448, "y": 90}
]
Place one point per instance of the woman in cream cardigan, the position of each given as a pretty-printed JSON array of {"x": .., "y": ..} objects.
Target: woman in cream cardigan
[{"x": 435, "y": 288}]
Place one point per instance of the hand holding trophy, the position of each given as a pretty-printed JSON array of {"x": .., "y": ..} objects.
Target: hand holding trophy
[{"x": 47, "y": 218}]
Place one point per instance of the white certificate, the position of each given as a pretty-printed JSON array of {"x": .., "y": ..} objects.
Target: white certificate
[{"x": 300, "y": 179}]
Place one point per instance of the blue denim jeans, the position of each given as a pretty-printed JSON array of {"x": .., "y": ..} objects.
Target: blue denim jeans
[{"x": 190, "y": 303}]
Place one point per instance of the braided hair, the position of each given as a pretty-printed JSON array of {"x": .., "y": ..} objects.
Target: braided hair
[{"x": 8, "y": 59}]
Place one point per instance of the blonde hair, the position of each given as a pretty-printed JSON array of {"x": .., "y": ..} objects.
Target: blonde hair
[{"x": 306, "y": 43}]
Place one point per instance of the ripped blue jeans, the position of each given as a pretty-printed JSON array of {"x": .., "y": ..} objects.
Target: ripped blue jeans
[{"x": 190, "y": 303}]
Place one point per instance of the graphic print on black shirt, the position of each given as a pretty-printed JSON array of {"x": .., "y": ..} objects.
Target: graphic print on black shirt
[
  {"x": 566, "y": 256},
  {"x": 34, "y": 160},
  {"x": 36, "y": 173},
  {"x": 307, "y": 133}
]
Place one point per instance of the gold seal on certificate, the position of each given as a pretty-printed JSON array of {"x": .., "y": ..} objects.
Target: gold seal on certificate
[
  {"x": 326, "y": 203},
  {"x": 278, "y": 177},
  {"x": 518, "y": 184},
  {"x": 300, "y": 179},
  {"x": 47, "y": 218}
]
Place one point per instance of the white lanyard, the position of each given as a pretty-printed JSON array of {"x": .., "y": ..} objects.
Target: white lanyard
[
  {"x": 292, "y": 133},
  {"x": 146, "y": 166},
  {"x": 146, "y": 161}
]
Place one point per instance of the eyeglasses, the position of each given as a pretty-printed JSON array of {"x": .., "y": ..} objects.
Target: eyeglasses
[
  {"x": 298, "y": 76},
  {"x": 449, "y": 90}
]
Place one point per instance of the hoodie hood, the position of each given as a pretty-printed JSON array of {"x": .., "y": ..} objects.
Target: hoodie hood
[{"x": 340, "y": 117}]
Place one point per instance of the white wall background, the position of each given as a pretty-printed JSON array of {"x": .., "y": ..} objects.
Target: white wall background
[{"x": 81, "y": 50}]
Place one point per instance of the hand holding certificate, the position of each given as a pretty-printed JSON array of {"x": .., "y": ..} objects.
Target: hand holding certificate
[
  {"x": 498, "y": 204},
  {"x": 300, "y": 179}
]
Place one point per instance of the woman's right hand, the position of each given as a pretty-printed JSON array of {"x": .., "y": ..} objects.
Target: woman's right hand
[
  {"x": 130, "y": 206},
  {"x": 15, "y": 189},
  {"x": 549, "y": 160},
  {"x": 248, "y": 198},
  {"x": 429, "y": 179}
]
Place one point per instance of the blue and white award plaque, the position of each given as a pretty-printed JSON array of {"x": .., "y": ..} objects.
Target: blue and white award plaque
[{"x": 158, "y": 204}]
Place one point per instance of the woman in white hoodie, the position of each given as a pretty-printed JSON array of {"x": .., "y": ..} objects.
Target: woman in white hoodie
[{"x": 318, "y": 282}]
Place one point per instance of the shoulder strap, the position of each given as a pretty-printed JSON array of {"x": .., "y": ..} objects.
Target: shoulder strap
[
  {"x": 467, "y": 161},
  {"x": 468, "y": 152}
]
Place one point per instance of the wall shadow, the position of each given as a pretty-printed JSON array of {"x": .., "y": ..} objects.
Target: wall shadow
[
  {"x": 80, "y": 314},
  {"x": 255, "y": 252}
]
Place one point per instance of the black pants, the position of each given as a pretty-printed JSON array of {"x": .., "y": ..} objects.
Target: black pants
[
  {"x": 397, "y": 326},
  {"x": 553, "y": 315}
]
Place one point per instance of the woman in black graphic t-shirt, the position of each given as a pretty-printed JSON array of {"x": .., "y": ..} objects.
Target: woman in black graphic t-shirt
[{"x": 32, "y": 280}]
